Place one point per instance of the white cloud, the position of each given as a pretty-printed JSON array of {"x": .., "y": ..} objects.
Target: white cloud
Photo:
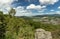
[
  {"x": 59, "y": 7},
  {"x": 6, "y": 1},
  {"x": 57, "y": 12},
  {"x": 20, "y": 11},
  {"x": 4, "y": 8},
  {"x": 41, "y": 11},
  {"x": 33, "y": 6},
  {"x": 52, "y": 10},
  {"x": 48, "y": 1},
  {"x": 5, "y": 5}
]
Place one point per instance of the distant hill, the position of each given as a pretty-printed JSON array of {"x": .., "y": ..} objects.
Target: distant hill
[{"x": 50, "y": 15}]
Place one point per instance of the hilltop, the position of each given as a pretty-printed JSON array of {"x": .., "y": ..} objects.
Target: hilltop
[{"x": 24, "y": 27}]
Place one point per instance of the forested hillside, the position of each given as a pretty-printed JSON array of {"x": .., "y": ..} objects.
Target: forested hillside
[{"x": 12, "y": 27}]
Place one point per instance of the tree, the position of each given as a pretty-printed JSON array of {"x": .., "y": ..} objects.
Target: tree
[
  {"x": 12, "y": 12},
  {"x": 2, "y": 26},
  {"x": 1, "y": 13}
]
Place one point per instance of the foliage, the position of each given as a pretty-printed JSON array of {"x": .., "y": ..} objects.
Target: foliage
[
  {"x": 12, "y": 12},
  {"x": 20, "y": 28}
]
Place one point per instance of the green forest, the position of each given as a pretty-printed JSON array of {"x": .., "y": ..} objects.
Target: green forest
[{"x": 12, "y": 27}]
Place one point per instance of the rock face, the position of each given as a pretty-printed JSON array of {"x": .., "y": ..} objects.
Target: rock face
[{"x": 42, "y": 34}]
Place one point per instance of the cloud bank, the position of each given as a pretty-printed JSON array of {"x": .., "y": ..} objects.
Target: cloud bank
[
  {"x": 6, "y": 1},
  {"x": 48, "y": 1},
  {"x": 20, "y": 11},
  {"x": 33, "y": 6},
  {"x": 5, "y": 5}
]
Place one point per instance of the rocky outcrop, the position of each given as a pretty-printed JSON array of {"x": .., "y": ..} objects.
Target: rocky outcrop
[{"x": 42, "y": 34}]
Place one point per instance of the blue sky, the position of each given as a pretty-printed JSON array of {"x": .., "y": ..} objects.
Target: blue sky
[{"x": 31, "y": 7}]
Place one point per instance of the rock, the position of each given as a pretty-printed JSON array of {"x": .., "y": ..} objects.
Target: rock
[{"x": 42, "y": 34}]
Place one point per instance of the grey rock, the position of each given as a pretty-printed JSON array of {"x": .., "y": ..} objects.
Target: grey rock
[{"x": 42, "y": 34}]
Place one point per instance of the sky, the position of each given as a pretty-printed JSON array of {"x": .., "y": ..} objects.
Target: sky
[{"x": 31, "y": 7}]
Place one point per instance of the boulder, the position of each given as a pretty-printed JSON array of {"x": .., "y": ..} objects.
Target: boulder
[{"x": 42, "y": 34}]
